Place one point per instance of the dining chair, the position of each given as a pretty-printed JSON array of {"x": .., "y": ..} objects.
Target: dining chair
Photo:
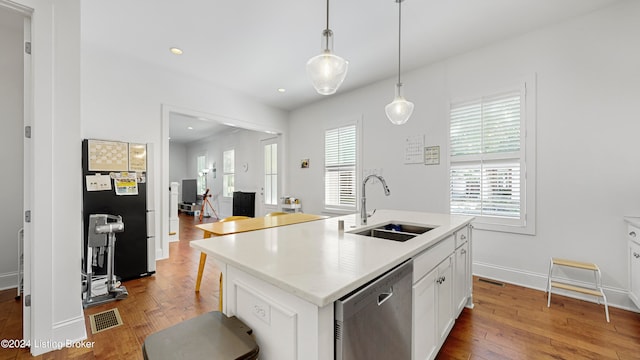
[
  {"x": 203, "y": 258},
  {"x": 276, "y": 213}
]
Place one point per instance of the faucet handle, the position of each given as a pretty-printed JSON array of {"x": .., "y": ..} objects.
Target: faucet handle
[{"x": 373, "y": 212}]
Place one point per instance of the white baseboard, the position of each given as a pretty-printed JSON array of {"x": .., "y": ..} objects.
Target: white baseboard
[
  {"x": 160, "y": 255},
  {"x": 9, "y": 280},
  {"x": 616, "y": 297}
]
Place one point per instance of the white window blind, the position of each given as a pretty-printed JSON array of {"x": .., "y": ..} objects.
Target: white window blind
[
  {"x": 487, "y": 162},
  {"x": 340, "y": 168}
]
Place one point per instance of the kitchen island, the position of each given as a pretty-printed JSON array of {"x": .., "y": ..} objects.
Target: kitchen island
[{"x": 282, "y": 282}]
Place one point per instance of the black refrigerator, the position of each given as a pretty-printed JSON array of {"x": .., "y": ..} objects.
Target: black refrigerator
[{"x": 112, "y": 163}]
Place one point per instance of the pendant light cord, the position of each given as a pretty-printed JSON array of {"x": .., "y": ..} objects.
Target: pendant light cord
[
  {"x": 399, "y": 36},
  {"x": 327, "y": 14},
  {"x": 327, "y": 31}
]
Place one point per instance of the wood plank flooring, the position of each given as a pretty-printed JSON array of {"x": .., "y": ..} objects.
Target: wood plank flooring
[
  {"x": 507, "y": 322},
  {"x": 512, "y": 322}
]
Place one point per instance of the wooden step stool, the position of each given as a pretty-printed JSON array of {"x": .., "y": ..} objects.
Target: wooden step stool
[{"x": 595, "y": 291}]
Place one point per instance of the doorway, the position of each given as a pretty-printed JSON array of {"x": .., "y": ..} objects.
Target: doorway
[
  {"x": 270, "y": 191},
  {"x": 230, "y": 133},
  {"x": 15, "y": 151}
]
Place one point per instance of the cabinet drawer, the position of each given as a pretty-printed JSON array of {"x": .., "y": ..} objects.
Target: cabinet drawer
[
  {"x": 462, "y": 236},
  {"x": 633, "y": 234},
  {"x": 430, "y": 258}
]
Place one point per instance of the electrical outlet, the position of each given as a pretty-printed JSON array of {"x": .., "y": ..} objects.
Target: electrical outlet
[{"x": 262, "y": 312}]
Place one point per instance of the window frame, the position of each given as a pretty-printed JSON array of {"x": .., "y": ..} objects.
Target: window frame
[
  {"x": 526, "y": 156},
  {"x": 228, "y": 173},
  {"x": 270, "y": 172},
  {"x": 337, "y": 208},
  {"x": 201, "y": 180}
]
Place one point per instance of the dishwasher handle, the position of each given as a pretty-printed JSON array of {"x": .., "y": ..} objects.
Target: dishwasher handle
[{"x": 385, "y": 296}]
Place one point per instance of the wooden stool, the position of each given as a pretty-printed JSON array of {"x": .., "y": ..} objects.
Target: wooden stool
[{"x": 595, "y": 291}]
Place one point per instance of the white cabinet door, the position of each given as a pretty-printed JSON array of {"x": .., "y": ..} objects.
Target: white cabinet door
[
  {"x": 434, "y": 302},
  {"x": 634, "y": 272},
  {"x": 432, "y": 310},
  {"x": 461, "y": 280},
  {"x": 445, "y": 298},
  {"x": 424, "y": 340}
]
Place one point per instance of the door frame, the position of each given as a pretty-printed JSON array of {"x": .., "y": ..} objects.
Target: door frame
[
  {"x": 263, "y": 207},
  {"x": 27, "y": 162},
  {"x": 162, "y": 246}
]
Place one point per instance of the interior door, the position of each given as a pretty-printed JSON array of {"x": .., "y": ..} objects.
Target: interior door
[
  {"x": 27, "y": 188},
  {"x": 270, "y": 188}
]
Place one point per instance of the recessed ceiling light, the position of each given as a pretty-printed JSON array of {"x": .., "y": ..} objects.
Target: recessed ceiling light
[
  {"x": 282, "y": 90},
  {"x": 189, "y": 127},
  {"x": 176, "y": 51}
]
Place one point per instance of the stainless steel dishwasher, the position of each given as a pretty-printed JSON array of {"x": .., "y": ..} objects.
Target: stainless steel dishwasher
[{"x": 374, "y": 322}]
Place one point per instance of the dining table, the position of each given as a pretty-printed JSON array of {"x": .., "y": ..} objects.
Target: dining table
[{"x": 221, "y": 228}]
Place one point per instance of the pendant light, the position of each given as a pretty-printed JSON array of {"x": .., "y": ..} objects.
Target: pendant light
[
  {"x": 327, "y": 70},
  {"x": 399, "y": 110}
]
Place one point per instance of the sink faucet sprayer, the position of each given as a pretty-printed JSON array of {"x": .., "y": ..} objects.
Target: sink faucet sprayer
[{"x": 363, "y": 208}]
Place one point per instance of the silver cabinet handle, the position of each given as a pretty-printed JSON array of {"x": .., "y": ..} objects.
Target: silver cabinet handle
[
  {"x": 463, "y": 237},
  {"x": 440, "y": 280},
  {"x": 632, "y": 234},
  {"x": 636, "y": 255},
  {"x": 463, "y": 251}
]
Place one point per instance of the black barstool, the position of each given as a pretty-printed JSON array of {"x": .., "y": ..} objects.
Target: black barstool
[{"x": 209, "y": 336}]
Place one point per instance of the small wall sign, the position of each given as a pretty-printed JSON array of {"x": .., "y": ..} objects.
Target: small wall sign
[{"x": 432, "y": 155}]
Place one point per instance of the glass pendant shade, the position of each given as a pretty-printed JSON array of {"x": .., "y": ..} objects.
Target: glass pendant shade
[
  {"x": 399, "y": 110},
  {"x": 327, "y": 70}
]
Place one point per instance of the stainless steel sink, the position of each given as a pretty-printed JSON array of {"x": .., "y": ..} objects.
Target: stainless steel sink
[{"x": 395, "y": 231}]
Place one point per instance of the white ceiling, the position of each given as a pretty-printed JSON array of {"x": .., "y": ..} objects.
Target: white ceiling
[
  {"x": 185, "y": 129},
  {"x": 258, "y": 46}
]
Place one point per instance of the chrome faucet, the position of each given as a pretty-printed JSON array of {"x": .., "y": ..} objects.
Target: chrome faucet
[{"x": 363, "y": 208}]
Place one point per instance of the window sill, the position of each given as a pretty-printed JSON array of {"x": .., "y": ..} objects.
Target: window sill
[
  {"x": 480, "y": 224},
  {"x": 338, "y": 212}
]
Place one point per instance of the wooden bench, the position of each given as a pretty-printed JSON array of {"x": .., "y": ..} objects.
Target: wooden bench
[{"x": 596, "y": 290}]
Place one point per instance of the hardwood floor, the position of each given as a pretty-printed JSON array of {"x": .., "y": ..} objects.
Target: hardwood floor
[
  {"x": 512, "y": 322},
  {"x": 507, "y": 322}
]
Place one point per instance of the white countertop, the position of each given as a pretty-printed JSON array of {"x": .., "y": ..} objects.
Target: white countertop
[
  {"x": 315, "y": 262},
  {"x": 633, "y": 220}
]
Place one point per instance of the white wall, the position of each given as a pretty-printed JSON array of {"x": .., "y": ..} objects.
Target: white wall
[
  {"x": 11, "y": 139},
  {"x": 247, "y": 151},
  {"x": 587, "y": 155},
  {"x": 178, "y": 165}
]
